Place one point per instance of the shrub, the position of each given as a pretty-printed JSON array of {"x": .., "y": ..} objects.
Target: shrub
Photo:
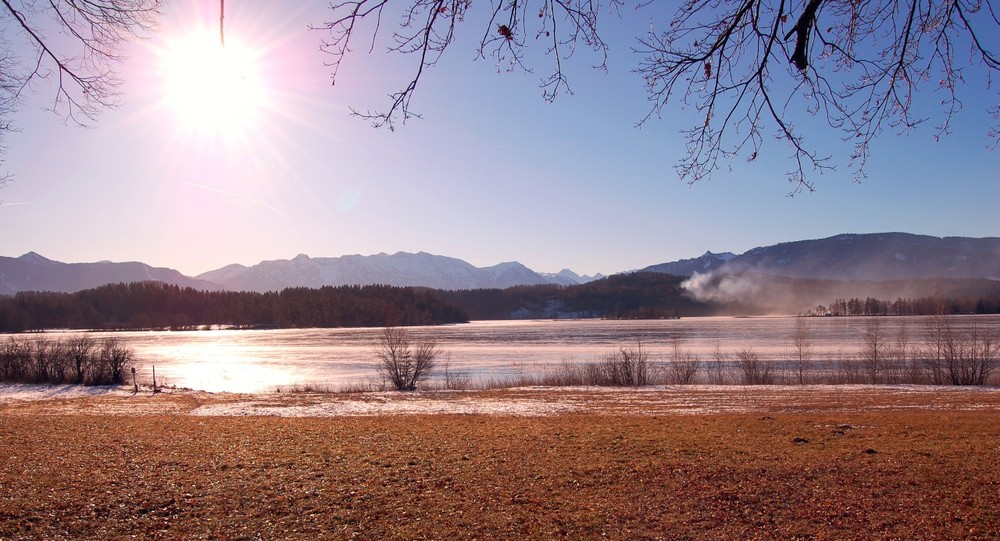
[
  {"x": 401, "y": 366},
  {"x": 116, "y": 359},
  {"x": 628, "y": 367},
  {"x": 753, "y": 370},
  {"x": 959, "y": 356},
  {"x": 683, "y": 366},
  {"x": 55, "y": 362},
  {"x": 81, "y": 356}
]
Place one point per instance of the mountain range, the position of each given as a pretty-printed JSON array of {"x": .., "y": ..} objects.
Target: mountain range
[
  {"x": 853, "y": 257},
  {"x": 848, "y": 257},
  {"x": 399, "y": 269},
  {"x": 32, "y": 272}
]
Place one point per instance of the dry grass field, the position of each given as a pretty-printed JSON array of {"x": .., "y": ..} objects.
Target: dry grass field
[{"x": 671, "y": 463}]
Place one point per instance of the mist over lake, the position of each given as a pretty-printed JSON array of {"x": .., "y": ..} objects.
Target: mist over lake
[{"x": 265, "y": 360}]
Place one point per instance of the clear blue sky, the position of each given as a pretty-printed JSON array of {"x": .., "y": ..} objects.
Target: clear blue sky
[{"x": 490, "y": 174}]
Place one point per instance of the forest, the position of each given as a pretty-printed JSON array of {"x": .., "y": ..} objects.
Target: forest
[
  {"x": 641, "y": 295},
  {"x": 154, "y": 305}
]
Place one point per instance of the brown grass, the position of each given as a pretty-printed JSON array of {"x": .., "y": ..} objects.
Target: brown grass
[{"x": 884, "y": 470}]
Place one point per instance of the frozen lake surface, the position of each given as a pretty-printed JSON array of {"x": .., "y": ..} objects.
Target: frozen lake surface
[{"x": 264, "y": 360}]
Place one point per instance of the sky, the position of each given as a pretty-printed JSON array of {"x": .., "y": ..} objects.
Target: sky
[{"x": 491, "y": 173}]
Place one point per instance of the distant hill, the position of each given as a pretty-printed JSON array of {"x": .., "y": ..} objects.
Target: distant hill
[
  {"x": 877, "y": 257},
  {"x": 399, "y": 269},
  {"x": 854, "y": 257},
  {"x": 688, "y": 267},
  {"x": 32, "y": 272},
  {"x": 751, "y": 293}
]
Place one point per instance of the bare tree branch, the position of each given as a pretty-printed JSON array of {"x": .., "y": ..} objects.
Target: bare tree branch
[
  {"x": 874, "y": 56},
  {"x": 81, "y": 66},
  {"x": 427, "y": 28},
  {"x": 222, "y": 23},
  {"x": 734, "y": 61}
]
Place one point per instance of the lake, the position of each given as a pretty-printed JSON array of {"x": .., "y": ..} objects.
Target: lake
[{"x": 263, "y": 360}]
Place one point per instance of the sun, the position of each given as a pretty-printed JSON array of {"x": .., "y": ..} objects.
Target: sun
[{"x": 211, "y": 88}]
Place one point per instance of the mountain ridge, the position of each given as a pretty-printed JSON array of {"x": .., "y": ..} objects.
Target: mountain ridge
[
  {"x": 34, "y": 272},
  {"x": 859, "y": 256},
  {"x": 844, "y": 257},
  {"x": 419, "y": 269}
]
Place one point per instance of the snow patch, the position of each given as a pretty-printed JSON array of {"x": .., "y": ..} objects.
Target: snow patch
[
  {"x": 415, "y": 406},
  {"x": 18, "y": 392},
  {"x": 527, "y": 401}
]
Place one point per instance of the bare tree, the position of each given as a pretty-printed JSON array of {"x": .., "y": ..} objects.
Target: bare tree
[
  {"x": 746, "y": 66},
  {"x": 802, "y": 348},
  {"x": 398, "y": 363},
  {"x": 874, "y": 349},
  {"x": 73, "y": 44},
  {"x": 427, "y": 27},
  {"x": 938, "y": 335},
  {"x": 900, "y": 351}
]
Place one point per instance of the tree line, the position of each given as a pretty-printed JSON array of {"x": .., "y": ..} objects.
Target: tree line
[
  {"x": 639, "y": 295},
  {"x": 154, "y": 305},
  {"x": 923, "y": 306}
]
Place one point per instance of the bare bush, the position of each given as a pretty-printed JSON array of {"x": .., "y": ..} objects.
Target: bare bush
[
  {"x": 15, "y": 356},
  {"x": 956, "y": 356},
  {"x": 309, "y": 387},
  {"x": 564, "y": 374},
  {"x": 683, "y": 366},
  {"x": 116, "y": 359},
  {"x": 970, "y": 355},
  {"x": 753, "y": 369},
  {"x": 717, "y": 368},
  {"x": 81, "y": 356},
  {"x": 399, "y": 364},
  {"x": 848, "y": 369},
  {"x": 55, "y": 362},
  {"x": 874, "y": 349},
  {"x": 628, "y": 367},
  {"x": 38, "y": 368},
  {"x": 455, "y": 380}
]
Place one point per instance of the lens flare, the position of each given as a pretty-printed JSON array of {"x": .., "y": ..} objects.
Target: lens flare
[{"x": 210, "y": 88}]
